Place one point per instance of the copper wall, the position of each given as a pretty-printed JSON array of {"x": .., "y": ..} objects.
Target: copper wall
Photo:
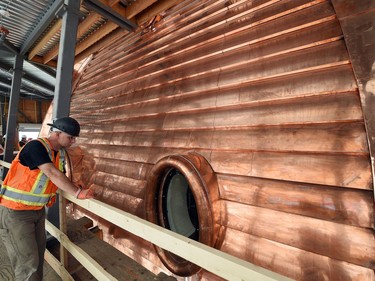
[{"x": 265, "y": 91}]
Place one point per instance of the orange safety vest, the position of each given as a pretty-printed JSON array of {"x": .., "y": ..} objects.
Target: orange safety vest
[{"x": 25, "y": 189}]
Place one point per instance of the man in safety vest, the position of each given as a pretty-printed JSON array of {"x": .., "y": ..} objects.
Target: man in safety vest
[{"x": 31, "y": 183}]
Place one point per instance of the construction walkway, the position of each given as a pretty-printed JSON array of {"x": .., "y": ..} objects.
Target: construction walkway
[{"x": 115, "y": 262}]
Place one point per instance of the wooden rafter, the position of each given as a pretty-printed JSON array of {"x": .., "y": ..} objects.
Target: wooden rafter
[
  {"x": 138, "y": 9},
  {"x": 139, "y": 12},
  {"x": 159, "y": 7},
  {"x": 55, "y": 28},
  {"x": 82, "y": 28}
]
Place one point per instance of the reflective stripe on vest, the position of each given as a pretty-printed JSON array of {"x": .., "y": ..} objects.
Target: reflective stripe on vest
[
  {"x": 36, "y": 196},
  {"x": 16, "y": 195}
]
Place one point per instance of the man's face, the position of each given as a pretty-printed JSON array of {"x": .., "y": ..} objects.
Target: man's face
[{"x": 66, "y": 140}]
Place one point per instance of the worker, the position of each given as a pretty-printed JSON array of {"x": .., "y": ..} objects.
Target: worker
[
  {"x": 23, "y": 141},
  {"x": 31, "y": 184}
]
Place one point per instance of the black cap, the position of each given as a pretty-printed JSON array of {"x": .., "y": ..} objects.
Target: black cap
[{"x": 67, "y": 125}]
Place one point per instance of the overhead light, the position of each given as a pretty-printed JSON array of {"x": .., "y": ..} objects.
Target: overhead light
[{"x": 4, "y": 13}]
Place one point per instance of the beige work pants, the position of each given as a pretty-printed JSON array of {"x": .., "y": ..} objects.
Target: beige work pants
[{"x": 23, "y": 234}]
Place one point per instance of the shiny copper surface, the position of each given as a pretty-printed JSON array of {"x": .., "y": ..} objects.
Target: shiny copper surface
[
  {"x": 351, "y": 207},
  {"x": 276, "y": 96},
  {"x": 357, "y": 19}
]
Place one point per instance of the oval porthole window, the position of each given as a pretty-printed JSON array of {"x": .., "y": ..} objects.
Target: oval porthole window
[
  {"x": 182, "y": 195},
  {"x": 178, "y": 205}
]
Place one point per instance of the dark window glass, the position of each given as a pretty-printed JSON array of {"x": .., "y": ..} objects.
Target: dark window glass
[{"x": 179, "y": 208}]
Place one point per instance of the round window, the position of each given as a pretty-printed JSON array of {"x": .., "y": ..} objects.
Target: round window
[
  {"x": 182, "y": 195},
  {"x": 178, "y": 205}
]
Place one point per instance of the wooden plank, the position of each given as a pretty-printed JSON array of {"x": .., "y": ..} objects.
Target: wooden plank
[
  {"x": 138, "y": 7},
  {"x": 63, "y": 229},
  {"x": 90, "y": 264},
  {"x": 104, "y": 30},
  {"x": 159, "y": 7},
  {"x": 88, "y": 22},
  {"x": 4, "y": 164},
  {"x": 57, "y": 266},
  {"x": 213, "y": 260},
  {"x": 353, "y": 244},
  {"x": 115, "y": 262},
  {"x": 346, "y": 206},
  {"x": 208, "y": 276},
  {"x": 293, "y": 262},
  {"x": 54, "y": 29},
  {"x": 131, "y": 245}
]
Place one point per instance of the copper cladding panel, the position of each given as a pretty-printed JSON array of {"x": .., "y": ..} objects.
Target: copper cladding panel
[
  {"x": 265, "y": 91},
  {"x": 357, "y": 19}
]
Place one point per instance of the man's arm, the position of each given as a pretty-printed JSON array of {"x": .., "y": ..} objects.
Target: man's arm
[{"x": 62, "y": 182}]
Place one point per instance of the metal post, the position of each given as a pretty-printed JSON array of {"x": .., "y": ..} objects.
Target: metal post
[
  {"x": 64, "y": 74},
  {"x": 63, "y": 92},
  {"x": 65, "y": 64},
  {"x": 13, "y": 108}
]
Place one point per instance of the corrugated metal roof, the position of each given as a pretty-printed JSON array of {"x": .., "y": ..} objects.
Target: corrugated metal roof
[
  {"x": 21, "y": 18},
  {"x": 34, "y": 31},
  {"x": 24, "y": 17}
]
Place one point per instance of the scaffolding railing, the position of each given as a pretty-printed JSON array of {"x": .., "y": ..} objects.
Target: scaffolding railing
[{"x": 213, "y": 260}]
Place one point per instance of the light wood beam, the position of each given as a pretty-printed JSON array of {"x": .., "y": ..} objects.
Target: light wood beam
[
  {"x": 40, "y": 60},
  {"x": 87, "y": 23},
  {"x": 113, "y": 2},
  {"x": 82, "y": 28},
  {"x": 88, "y": 262},
  {"x": 159, "y": 7},
  {"x": 57, "y": 266},
  {"x": 138, "y": 7},
  {"x": 55, "y": 28},
  {"x": 213, "y": 260},
  {"x": 102, "y": 31},
  {"x": 101, "y": 43},
  {"x": 135, "y": 9},
  {"x": 105, "y": 29}
]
